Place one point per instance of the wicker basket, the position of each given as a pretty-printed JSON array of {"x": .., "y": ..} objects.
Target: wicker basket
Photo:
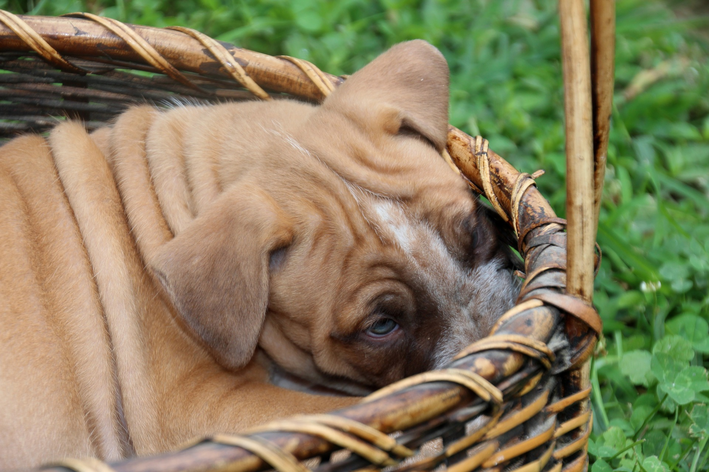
[{"x": 512, "y": 401}]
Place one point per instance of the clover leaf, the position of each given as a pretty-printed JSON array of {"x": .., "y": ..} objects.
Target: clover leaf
[
  {"x": 700, "y": 421},
  {"x": 636, "y": 366},
  {"x": 653, "y": 464},
  {"x": 601, "y": 466},
  {"x": 693, "y": 328},
  {"x": 685, "y": 386},
  {"x": 674, "y": 346}
]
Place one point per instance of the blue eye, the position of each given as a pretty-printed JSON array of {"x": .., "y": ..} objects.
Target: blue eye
[{"x": 382, "y": 327}]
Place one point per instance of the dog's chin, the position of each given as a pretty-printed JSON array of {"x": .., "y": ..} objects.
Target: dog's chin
[{"x": 335, "y": 386}]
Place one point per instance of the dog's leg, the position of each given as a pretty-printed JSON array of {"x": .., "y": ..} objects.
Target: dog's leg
[{"x": 233, "y": 405}]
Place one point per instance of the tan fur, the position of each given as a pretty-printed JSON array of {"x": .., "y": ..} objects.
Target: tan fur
[{"x": 160, "y": 278}]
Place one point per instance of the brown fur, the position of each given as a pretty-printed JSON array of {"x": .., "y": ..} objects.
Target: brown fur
[{"x": 160, "y": 275}]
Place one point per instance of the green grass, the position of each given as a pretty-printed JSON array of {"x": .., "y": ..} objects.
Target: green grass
[{"x": 650, "y": 376}]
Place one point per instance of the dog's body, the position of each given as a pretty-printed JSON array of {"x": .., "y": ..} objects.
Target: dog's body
[{"x": 156, "y": 273}]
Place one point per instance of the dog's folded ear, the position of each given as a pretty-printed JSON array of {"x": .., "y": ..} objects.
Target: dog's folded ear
[
  {"x": 216, "y": 271},
  {"x": 402, "y": 91}
]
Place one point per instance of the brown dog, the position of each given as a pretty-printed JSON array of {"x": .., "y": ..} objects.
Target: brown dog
[{"x": 158, "y": 275}]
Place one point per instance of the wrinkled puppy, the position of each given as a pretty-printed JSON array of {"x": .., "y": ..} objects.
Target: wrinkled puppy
[{"x": 158, "y": 274}]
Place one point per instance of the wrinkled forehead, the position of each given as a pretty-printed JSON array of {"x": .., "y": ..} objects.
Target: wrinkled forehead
[
  {"x": 401, "y": 189},
  {"x": 396, "y": 166},
  {"x": 420, "y": 254}
]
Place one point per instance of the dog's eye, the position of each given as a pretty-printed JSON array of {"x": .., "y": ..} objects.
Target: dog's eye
[{"x": 382, "y": 327}]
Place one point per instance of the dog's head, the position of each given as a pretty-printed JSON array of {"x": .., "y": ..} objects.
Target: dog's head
[{"x": 351, "y": 254}]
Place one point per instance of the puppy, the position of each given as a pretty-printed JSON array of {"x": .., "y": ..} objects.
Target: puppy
[{"x": 158, "y": 275}]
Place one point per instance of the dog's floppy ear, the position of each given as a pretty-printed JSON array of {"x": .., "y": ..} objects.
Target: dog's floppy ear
[
  {"x": 402, "y": 91},
  {"x": 216, "y": 270}
]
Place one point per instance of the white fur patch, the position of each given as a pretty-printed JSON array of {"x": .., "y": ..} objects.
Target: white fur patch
[{"x": 390, "y": 219}]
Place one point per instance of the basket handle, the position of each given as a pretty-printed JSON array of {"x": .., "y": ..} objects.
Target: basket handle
[
  {"x": 602, "y": 75},
  {"x": 587, "y": 105}
]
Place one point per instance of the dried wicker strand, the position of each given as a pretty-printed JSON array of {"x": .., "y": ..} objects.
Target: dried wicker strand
[
  {"x": 141, "y": 46},
  {"x": 518, "y": 348},
  {"x": 231, "y": 65},
  {"x": 482, "y": 345},
  {"x": 530, "y": 384},
  {"x": 514, "y": 311},
  {"x": 469, "y": 440},
  {"x": 531, "y": 278},
  {"x": 474, "y": 461},
  {"x": 36, "y": 42},
  {"x": 572, "y": 424},
  {"x": 566, "y": 402},
  {"x": 276, "y": 457},
  {"x": 554, "y": 280},
  {"x": 449, "y": 160},
  {"x": 578, "y": 113},
  {"x": 369, "y": 452},
  {"x": 580, "y": 464},
  {"x": 472, "y": 381},
  {"x": 543, "y": 221},
  {"x": 518, "y": 417},
  {"x": 520, "y": 448},
  {"x": 577, "y": 445},
  {"x": 574, "y": 306},
  {"x": 483, "y": 162},
  {"x": 602, "y": 73},
  {"x": 363, "y": 431},
  {"x": 87, "y": 464},
  {"x": 539, "y": 464},
  {"x": 522, "y": 183},
  {"x": 555, "y": 239},
  {"x": 522, "y": 344},
  {"x": 317, "y": 77},
  {"x": 528, "y": 289}
]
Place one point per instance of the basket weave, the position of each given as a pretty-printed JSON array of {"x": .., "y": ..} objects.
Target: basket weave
[{"x": 512, "y": 401}]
